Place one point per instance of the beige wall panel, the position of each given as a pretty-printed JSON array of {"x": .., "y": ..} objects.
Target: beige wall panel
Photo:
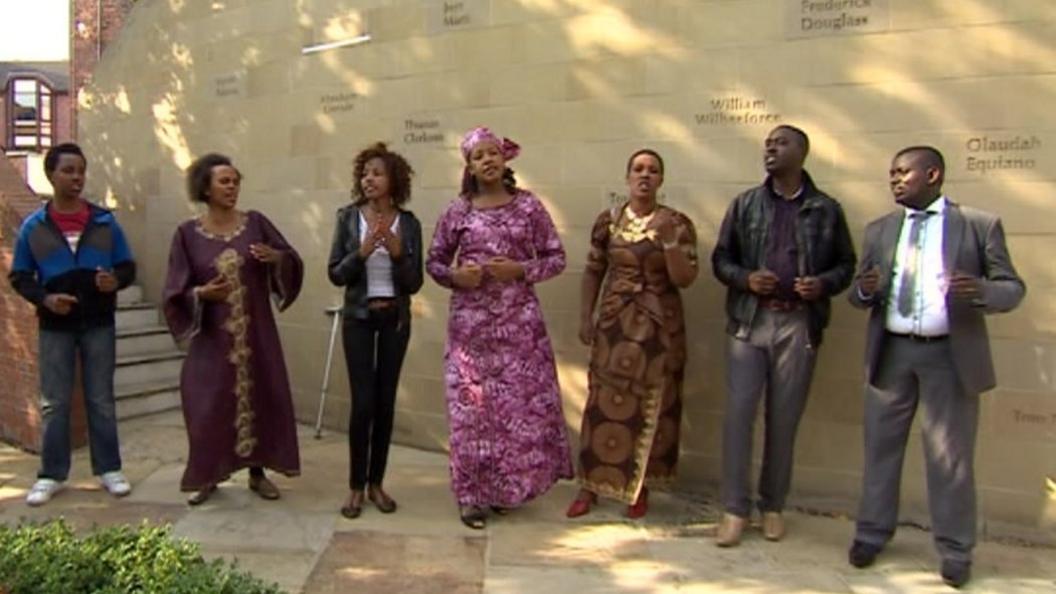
[
  {"x": 732, "y": 22},
  {"x": 509, "y": 12},
  {"x": 1025, "y": 365},
  {"x": 1029, "y": 10},
  {"x": 939, "y": 14},
  {"x": 397, "y": 21}
]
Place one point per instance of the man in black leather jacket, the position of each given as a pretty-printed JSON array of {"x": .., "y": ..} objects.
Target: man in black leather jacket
[{"x": 783, "y": 251}]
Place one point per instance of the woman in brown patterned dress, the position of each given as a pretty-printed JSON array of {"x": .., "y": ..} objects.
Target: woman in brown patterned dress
[{"x": 644, "y": 252}]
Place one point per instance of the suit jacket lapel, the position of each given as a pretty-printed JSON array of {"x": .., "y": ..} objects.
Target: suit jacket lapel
[
  {"x": 888, "y": 245},
  {"x": 952, "y": 236}
]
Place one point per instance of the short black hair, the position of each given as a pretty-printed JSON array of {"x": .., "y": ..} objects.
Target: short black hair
[
  {"x": 804, "y": 140},
  {"x": 51, "y": 158},
  {"x": 200, "y": 175},
  {"x": 397, "y": 168},
  {"x": 645, "y": 151},
  {"x": 932, "y": 156}
]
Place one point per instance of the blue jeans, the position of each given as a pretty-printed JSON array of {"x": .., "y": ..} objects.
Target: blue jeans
[{"x": 58, "y": 351}]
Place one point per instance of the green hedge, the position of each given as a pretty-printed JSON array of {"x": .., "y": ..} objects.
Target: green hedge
[{"x": 50, "y": 559}]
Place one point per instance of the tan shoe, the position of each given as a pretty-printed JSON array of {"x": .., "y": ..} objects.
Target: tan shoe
[
  {"x": 730, "y": 529},
  {"x": 263, "y": 487},
  {"x": 773, "y": 526}
]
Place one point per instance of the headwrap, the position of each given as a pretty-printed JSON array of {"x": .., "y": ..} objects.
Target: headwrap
[{"x": 509, "y": 148}]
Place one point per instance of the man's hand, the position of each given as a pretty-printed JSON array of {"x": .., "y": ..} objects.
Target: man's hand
[
  {"x": 869, "y": 281},
  {"x": 809, "y": 288},
  {"x": 762, "y": 282},
  {"x": 105, "y": 281},
  {"x": 60, "y": 303},
  {"x": 965, "y": 286}
]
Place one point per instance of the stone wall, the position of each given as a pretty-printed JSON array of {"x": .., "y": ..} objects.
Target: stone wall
[{"x": 580, "y": 84}]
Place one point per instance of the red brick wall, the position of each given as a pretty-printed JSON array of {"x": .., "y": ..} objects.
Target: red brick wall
[
  {"x": 94, "y": 24},
  {"x": 3, "y": 117},
  {"x": 19, "y": 374}
]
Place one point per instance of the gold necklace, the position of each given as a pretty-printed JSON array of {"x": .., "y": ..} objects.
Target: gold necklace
[{"x": 635, "y": 227}]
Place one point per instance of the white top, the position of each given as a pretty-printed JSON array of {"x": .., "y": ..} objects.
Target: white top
[
  {"x": 928, "y": 317},
  {"x": 379, "y": 263}
]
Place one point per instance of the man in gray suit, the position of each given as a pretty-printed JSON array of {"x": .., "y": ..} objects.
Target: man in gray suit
[{"x": 929, "y": 273}]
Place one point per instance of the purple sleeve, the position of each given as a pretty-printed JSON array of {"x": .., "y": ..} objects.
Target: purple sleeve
[
  {"x": 180, "y": 304},
  {"x": 549, "y": 258},
  {"x": 444, "y": 247},
  {"x": 287, "y": 275}
]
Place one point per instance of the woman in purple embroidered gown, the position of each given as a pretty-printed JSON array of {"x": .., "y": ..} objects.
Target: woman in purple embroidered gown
[
  {"x": 493, "y": 243},
  {"x": 223, "y": 266}
]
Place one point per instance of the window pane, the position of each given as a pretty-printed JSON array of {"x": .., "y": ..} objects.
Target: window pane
[
  {"x": 25, "y": 106},
  {"x": 26, "y": 86},
  {"x": 23, "y": 141},
  {"x": 45, "y": 141},
  {"x": 45, "y": 109}
]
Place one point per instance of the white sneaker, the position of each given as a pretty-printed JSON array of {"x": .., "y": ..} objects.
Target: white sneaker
[
  {"x": 116, "y": 483},
  {"x": 42, "y": 491}
]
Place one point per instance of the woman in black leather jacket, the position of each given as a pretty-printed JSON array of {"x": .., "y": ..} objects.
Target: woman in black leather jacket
[{"x": 377, "y": 256}]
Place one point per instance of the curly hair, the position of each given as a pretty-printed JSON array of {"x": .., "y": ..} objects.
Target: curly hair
[
  {"x": 200, "y": 175},
  {"x": 398, "y": 169}
]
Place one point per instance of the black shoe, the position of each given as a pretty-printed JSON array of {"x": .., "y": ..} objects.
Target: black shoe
[
  {"x": 473, "y": 517},
  {"x": 956, "y": 573},
  {"x": 862, "y": 554}
]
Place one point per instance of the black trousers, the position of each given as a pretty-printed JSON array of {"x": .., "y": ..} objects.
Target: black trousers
[{"x": 374, "y": 350}]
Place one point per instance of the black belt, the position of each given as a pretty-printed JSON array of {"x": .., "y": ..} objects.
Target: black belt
[
  {"x": 781, "y": 305},
  {"x": 380, "y": 302},
  {"x": 919, "y": 337}
]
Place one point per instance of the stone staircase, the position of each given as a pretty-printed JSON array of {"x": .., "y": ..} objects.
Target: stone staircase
[{"x": 147, "y": 376}]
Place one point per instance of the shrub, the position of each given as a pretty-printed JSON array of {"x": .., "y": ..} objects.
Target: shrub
[{"x": 50, "y": 559}]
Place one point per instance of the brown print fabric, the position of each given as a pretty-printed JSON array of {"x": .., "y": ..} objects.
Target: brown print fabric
[{"x": 631, "y": 422}]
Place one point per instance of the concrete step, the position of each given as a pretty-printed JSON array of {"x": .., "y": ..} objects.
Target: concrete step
[
  {"x": 143, "y": 399},
  {"x": 145, "y": 340},
  {"x": 132, "y": 370},
  {"x": 131, "y": 294},
  {"x": 136, "y": 315}
]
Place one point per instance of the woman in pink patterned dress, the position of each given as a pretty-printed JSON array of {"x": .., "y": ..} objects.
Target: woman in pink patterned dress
[{"x": 492, "y": 244}]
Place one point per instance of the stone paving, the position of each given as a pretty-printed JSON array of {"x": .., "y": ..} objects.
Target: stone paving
[{"x": 304, "y": 545}]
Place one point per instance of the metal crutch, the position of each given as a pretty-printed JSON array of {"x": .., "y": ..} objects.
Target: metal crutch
[{"x": 334, "y": 310}]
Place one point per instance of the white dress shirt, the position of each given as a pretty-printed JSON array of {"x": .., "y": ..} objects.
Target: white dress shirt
[{"x": 928, "y": 317}]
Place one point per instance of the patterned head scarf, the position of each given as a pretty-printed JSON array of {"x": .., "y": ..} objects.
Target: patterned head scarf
[{"x": 509, "y": 148}]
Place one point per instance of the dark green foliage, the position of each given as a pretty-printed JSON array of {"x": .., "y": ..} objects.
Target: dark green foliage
[{"x": 50, "y": 559}]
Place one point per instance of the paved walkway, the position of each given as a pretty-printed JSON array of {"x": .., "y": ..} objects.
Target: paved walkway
[{"x": 303, "y": 544}]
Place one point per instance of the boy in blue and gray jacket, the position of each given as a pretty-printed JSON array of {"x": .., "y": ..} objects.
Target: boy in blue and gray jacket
[{"x": 71, "y": 258}]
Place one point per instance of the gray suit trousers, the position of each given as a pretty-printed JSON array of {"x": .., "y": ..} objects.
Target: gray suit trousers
[
  {"x": 912, "y": 374},
  {"x": 774, "y": 364}
]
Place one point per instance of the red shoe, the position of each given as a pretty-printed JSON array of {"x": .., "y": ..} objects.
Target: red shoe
[
  {"x": 640, "y": 507},
  {"x": 581, "y": 506}
]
